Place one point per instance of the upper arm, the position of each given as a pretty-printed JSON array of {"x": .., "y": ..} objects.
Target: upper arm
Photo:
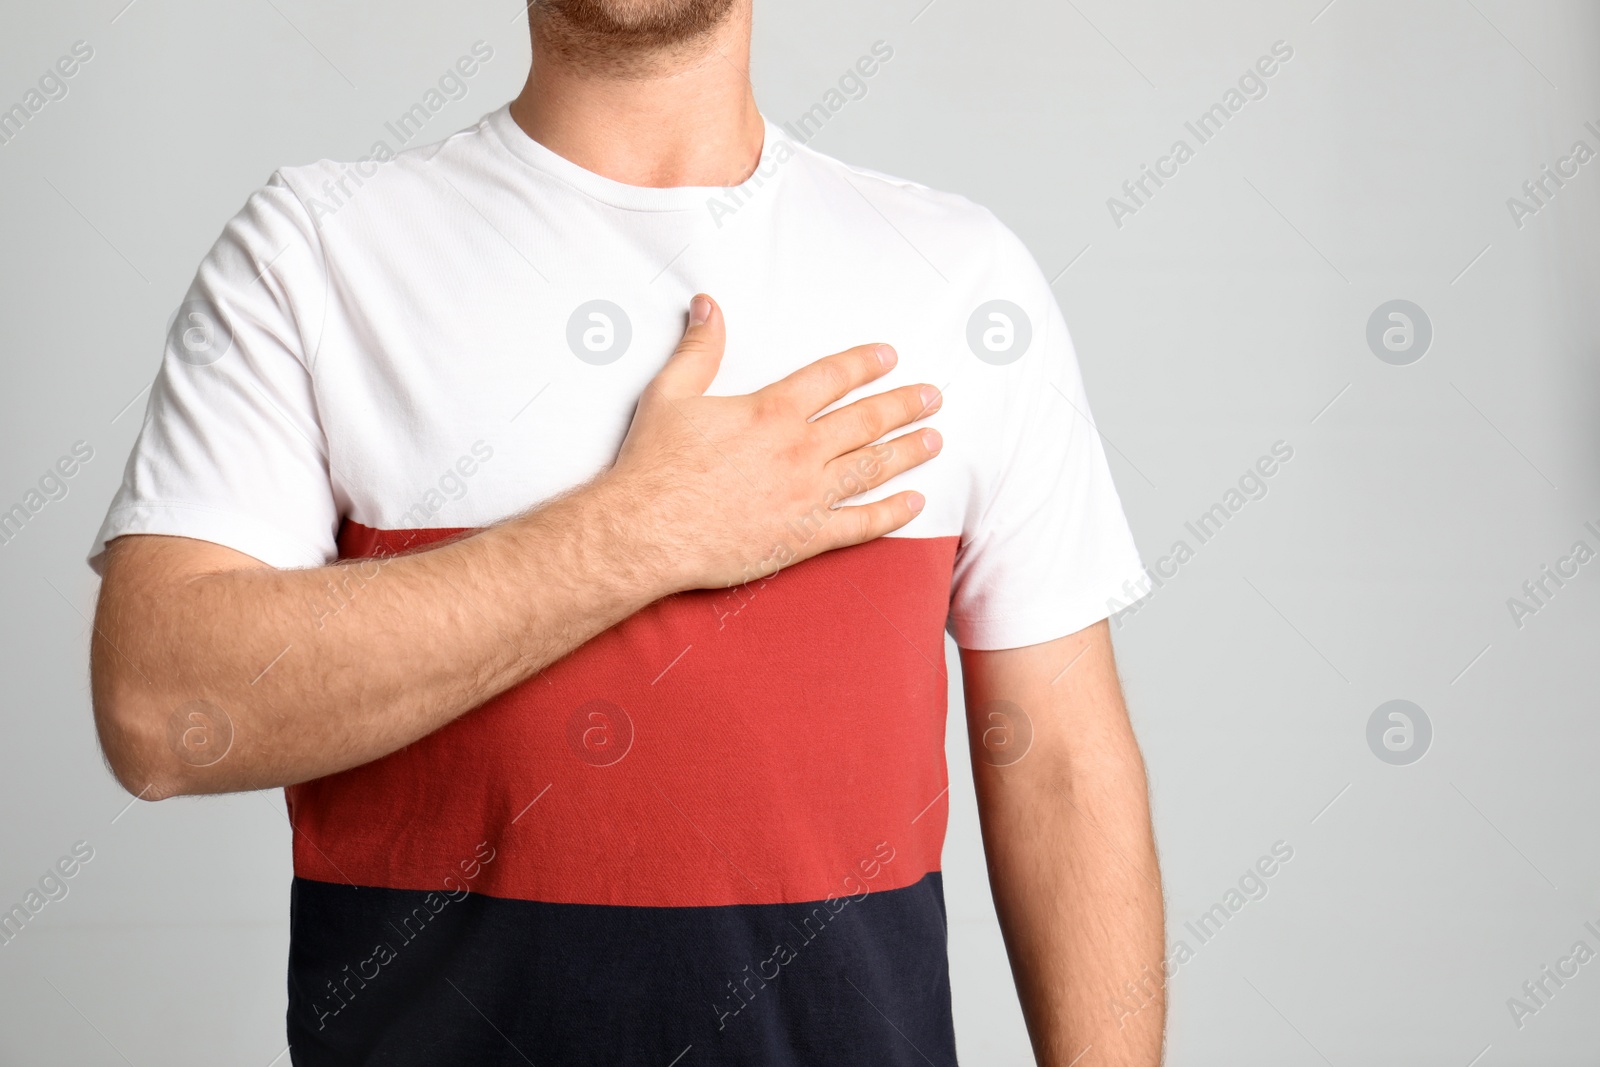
[
  {"x": 1048, "y": 706},
  {"x": 1045, "y": 555}
]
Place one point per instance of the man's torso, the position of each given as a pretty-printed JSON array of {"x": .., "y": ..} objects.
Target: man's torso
[{"x": 713, "y": 831}]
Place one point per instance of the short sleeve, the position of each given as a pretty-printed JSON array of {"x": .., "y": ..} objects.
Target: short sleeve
[
  {"x": 1046, "y": 549},
  {"x": 231, "y": 449}
]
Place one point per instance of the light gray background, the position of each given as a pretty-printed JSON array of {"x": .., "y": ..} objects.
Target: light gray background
[{"x": 1227, "y": 315}]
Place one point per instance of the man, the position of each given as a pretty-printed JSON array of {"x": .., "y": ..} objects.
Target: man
[{"x": 602, "y": 658}]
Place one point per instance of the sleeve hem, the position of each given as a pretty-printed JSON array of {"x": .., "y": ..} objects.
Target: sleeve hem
[
  {"x": 242, "y": 533},
  {"x": 991, "y": 633}
]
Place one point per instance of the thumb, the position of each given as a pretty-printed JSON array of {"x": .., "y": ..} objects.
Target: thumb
[{"x": 694, "y": 364}]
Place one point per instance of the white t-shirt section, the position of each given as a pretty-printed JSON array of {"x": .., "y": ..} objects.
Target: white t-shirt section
[{"x": 450, "y": 337}]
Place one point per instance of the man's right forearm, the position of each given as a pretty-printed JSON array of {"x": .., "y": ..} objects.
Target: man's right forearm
[{"x": 420, "y": 639}]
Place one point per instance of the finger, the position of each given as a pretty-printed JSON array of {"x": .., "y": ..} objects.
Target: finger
[
  {"x": 866, "y": 522},
  {"x": 816, "y": 385},
  {"x": 695, "y": 361},
  {"x": 869, "y": 418},
  {"x": 869, "y": 467}
]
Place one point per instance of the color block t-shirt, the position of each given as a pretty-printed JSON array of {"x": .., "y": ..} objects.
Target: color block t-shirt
[{"x": 712, "y": 834}]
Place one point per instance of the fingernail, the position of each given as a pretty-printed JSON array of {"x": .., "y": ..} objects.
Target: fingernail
[
  {"x": 931, "y": 399},
  {"x": 932, "y": 441},
  {"x": 699, "y": 311},
  {"x": 915, "y": 502},
  {"x": 887, "y": 356}
]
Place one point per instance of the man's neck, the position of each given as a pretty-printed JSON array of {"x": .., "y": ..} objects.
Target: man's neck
[{"x": 687, "y": 117}]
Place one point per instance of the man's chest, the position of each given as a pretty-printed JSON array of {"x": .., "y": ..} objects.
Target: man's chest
[{"x": 480, "y": 398}]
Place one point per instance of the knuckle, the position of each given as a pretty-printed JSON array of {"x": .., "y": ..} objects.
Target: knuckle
[
  {"x": 836, "y": 375},
  {"x": 862, "y": 423},
  {"x": 872, "y": 463},
  {"x": 653, "y": 399},
  {"x": 890, "y": 456},
  {"x": 768, "y": 407},
  {"x": 852, "y": 526},
  {"x": 885, "y": 516}
]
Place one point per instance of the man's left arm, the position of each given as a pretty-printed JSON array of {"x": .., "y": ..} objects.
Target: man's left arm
[{"x": 1066, "y": 828}]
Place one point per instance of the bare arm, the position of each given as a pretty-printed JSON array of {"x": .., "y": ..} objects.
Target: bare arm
[
  {"x": 1066, "y": 829},
  {"x": 703, "y": 492}
]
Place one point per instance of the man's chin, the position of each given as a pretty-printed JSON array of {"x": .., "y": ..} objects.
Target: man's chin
[{"x": 622, "y": 28}]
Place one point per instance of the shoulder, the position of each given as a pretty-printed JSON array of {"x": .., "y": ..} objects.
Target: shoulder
[
  {"x": 953, "y": 209},
  {"x": 388, "y": 171},
  {"x": 931, "y": 217}
]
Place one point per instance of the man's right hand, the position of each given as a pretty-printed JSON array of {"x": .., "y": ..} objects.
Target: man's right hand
[
  {"x": 732, "y": 488},
  {"x": 706, "y": 492}
]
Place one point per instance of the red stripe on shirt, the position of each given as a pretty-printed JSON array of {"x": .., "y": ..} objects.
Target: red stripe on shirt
[{"x": 744, "y": 746}]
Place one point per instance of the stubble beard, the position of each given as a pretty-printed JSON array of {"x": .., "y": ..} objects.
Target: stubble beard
[{"x": 628, "y": 37}]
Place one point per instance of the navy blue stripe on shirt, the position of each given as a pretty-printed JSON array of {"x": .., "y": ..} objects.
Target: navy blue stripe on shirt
[{"x": 402, "y": 977}]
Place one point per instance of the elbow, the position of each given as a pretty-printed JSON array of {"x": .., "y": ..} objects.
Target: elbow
[
  {"x": 138, "y": 782},
  {"x": 136, "y": 743},
  {"x": 135, "y": 762},
  {"x": 158, "y": 741}
]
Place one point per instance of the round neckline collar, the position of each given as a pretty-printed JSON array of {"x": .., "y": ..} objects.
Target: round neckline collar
[{"x": 633, "y": 197}]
